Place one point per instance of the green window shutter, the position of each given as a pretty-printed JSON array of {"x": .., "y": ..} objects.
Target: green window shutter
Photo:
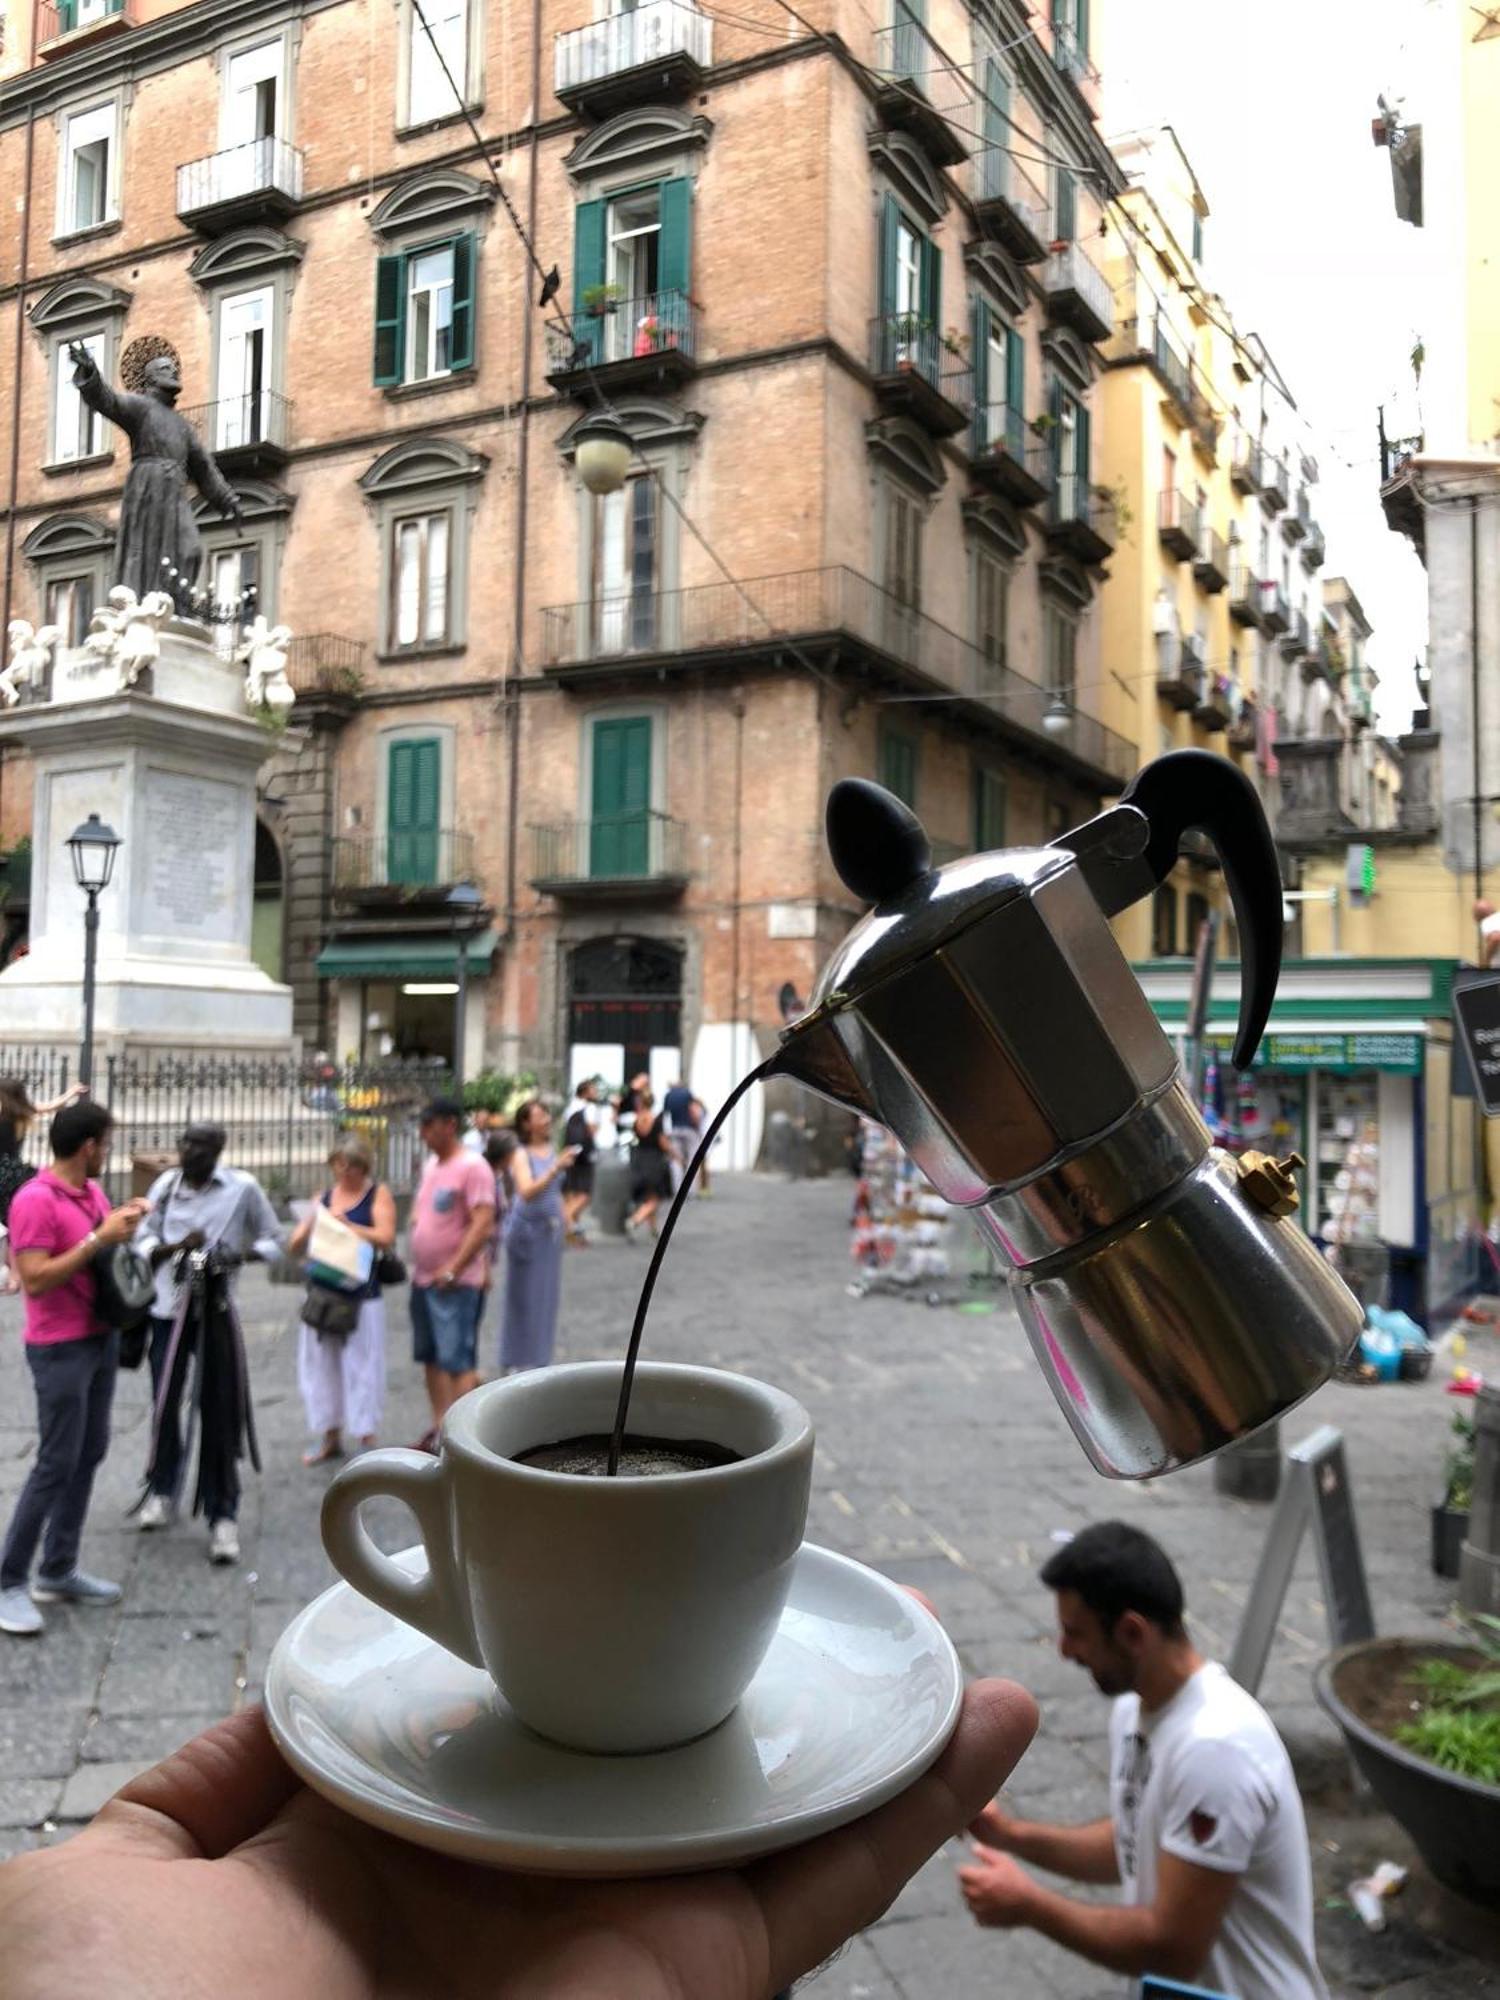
[
  {"x": 898, "y": 765},
  {"x": 1015, "y": 377},
  {"x": 1054, "y": 431},
  {"x": 1083, "y": 457},
  {"x": 620, "y": 818},
  {"x": 1081, "y": 25},
  {"x": 979, "y": 349},
  {"x": 932, "y": 286},
  {"x": 989, "y": 811},
  {"x": 1065, "y": 218},
  {"x": 675, "y": 249},
  {"x": 997, "y": 103},
  {"x": 461, "y": 343},
  {"x": 590, "y": 222},
  {"x": 67, "y": 16},
  {"x": 910, "y": 17},
  {"x": 413, "y": 792},
  {"x": 890, "y": 223},
  {"x": 390, "y": 320}
]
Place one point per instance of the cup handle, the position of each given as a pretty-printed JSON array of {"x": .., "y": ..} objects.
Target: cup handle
[{"x": 435, "y": 1603}]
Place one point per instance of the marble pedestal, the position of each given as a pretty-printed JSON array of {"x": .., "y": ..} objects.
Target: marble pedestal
[{"x": 171, "y": 765}]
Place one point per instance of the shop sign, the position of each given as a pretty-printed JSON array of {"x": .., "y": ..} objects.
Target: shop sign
[
  {"x": 1370, "y": 1049},
  {"x": 1476, "y": 1015}
]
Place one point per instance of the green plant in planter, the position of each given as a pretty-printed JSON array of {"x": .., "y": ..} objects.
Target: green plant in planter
[
  {"x": 1459, "y": 1465},
  {"x": 600, "y": 299},
  {"x": 497, "y": 1091},
  {"x": 1458, "y": 1727}
]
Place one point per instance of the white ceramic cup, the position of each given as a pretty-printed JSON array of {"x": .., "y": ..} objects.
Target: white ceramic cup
[{"x": 619, "y": 1614}]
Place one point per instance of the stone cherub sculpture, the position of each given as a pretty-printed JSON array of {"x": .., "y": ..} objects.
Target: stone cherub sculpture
[
  {"x": 157, "y": 534},
  {"x": 30, "y": 657},
  {"x": 262, "y": 653},
  {"x": 126, "y": 634}
]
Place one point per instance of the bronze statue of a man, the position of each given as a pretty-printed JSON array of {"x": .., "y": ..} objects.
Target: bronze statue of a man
[{"x": 157, "y": 533}]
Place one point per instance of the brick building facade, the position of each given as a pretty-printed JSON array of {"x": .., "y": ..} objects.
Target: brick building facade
[{"x": 838, "y": 285}]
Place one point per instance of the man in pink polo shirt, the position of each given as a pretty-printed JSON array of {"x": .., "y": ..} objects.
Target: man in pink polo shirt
[
  {"x": 452, "y": 1220},
  {"x": 58, "y": 1222}
]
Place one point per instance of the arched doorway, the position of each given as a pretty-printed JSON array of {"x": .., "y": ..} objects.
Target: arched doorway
[
  {"x": 625, "y": 1010},
  {"x": 268, "y": 916}
]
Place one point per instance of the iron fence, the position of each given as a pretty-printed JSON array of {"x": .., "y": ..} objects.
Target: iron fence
[
  {"x": 649, "y": 34},
  {"x": 258, "y": 167}
]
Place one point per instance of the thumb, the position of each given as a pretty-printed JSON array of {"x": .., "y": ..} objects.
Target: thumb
[
  {"x": 984, "y": 1854},
  {"x": 206, "y": 1798}
]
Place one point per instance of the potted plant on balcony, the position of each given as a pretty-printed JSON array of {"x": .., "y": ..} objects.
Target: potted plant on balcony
[
  {"x": 597, "y": 300},
  {"x": 906, "y": 330},
  {"x": 956, "y": 343},
  {"x": 1450, "y": 1516}
]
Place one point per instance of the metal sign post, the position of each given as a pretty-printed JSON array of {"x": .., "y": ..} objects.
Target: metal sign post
[{"x": 1315, "y": 1493}]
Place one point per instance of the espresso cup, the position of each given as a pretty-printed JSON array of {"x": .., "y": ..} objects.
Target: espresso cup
[{"x": 623, "y": 1614}]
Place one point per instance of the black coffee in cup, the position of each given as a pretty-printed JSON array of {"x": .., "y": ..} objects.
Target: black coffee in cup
[{"x": 640, "y": 1457}]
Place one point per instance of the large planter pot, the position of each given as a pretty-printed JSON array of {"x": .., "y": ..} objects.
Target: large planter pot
[
  {"x": 1454, "y": 1821},
  {"x": 1450, "y": 1525}
]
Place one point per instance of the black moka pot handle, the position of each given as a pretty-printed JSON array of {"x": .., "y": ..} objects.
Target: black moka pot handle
[{"x": 1194, "y": 789}]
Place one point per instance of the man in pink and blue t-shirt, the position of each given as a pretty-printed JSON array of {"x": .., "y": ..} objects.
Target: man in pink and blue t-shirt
[
  {"x": 59, "y": 1221},
  {"x": 452, "y": 1220}
]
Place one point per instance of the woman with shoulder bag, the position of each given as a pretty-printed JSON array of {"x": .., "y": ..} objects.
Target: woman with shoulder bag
[{"x": 341, "y": 1342}]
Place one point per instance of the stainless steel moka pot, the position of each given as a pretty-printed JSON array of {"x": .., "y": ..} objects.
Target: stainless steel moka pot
[{"x": 984, "y": 1014}]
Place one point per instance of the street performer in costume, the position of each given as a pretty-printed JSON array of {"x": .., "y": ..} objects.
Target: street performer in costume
[{"x": 204, "y": 1221}]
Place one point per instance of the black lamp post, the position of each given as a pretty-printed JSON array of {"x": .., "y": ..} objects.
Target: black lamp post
[
  {"x": 92, "y": 847},
  {"x": 467, "y": 904}
]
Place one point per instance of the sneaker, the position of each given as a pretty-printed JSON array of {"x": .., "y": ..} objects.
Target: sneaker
[
  {"x": 156, "y": 1512},
  {"x": 223, "y": 1542},
  {"x": 79, "y": 1588},
  {"x": 18, "y": 1614}
]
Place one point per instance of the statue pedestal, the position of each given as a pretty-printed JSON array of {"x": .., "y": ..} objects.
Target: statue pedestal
[{"x": 173, "y": 771}]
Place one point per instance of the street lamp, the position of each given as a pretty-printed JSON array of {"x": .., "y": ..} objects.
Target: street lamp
[
  {"x": 92, "y": 847},
  {"x": 467, "y": 904},
  {"x": 602, "y": 451},
  {"x": 1058, "y": 719}
]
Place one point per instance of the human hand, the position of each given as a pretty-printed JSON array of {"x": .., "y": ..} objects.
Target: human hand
[
  {"x": 220, "y": 1865},
  {"x": 995, "y": 1827},
  {"x": 74, "y": 1092},
  {"x": 121, "y": 1223},
  {"x": 997, "y": 1890},
  {"x": 445, "y": 1281}
]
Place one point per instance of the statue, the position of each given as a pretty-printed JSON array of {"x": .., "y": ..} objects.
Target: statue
[
  {"x": 262, "y": 653},
  {"x": 126, "y": 636},
  {"x": 30, "y": 657},
  {"x": 157, "y": 545}
]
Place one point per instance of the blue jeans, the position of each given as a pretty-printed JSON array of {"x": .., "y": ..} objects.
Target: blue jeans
[{"x": 75, "y": 1391}]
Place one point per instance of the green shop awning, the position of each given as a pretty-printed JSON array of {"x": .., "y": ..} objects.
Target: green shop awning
[{"x": 403, "y": 957}]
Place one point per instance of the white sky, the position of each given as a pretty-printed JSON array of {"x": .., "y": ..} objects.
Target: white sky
[{"x": 1273, "y": 105}]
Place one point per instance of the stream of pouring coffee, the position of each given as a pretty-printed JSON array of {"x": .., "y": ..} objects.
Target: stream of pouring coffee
[{"x": 690, "y": 1174}]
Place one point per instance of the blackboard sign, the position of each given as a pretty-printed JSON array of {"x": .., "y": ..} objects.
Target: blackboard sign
[
  {"x": 1476, "y": 1036},
  {"x": 1315, "y": 1494}
]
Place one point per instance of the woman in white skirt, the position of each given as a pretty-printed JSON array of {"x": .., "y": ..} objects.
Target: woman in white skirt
[{"x": 343, "y": 1381}]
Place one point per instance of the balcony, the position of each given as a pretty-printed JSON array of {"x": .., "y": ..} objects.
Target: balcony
[
  {"x": 260, "y": 181},
  {"x": 326, "y": 670},
  {"x": 246, "y": 434},
  {"x": 1178, "y": 525},
  {"x": 1275, "y": 481},
  {"x": 1078, "y": 293},
  {"x": 1206, "y": 425},
  {"x": 1400, "y": 494},
  {"x": 848, "y": 622},
  {"x": 1012, "y": 211},
  {"x": 1296, "y": 639},
  {"x": 1242, "y": 726},
  {"x": 660, "y": 51},
  {"x": 916, "y": 377},
  {"x": 78, "y": 24},
  {"x": 625, "y": 344},
  {"x": 1314, "y": 549},
  {"x": 1275, "y": 607},
  {"x": 1007, "y": 457},
  {"x": 913, "y": 71},
  {"x": 1211, "y": 562},
  {"x": 1245, "y": 593},
  {"x": 1212, "y": 708},
  {"x": 1323, "y": 659},
  {"x": 1173, "y": 370},
  {"x": 1081, "y": 519},
  {"x": 635, "y": 857},
  {"x": 1297, "y": 520},
  {"x": 1245, "y": 469},
  {"x": 1179, "y": 662},
  {"x": 401, "y": 868}
]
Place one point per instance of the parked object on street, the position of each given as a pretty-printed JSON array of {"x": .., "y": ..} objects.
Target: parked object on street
[
  {"x": 984, "y": 1013},
  {"x": 1377, "y": 1691}
]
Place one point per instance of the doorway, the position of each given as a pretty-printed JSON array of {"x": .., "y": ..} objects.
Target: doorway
[{"x": 625, "y": 1006}]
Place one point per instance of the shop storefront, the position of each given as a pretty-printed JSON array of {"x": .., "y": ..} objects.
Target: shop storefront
[
  {"x": 397, "y": 996},
  {"x": 1354, "y": 1073}
]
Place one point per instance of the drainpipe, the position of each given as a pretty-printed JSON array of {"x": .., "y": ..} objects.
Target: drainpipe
[
  {"x": 523, "y": 482},
  {"x": 15, "y": 389},
  {"x": 1478, "y": 805}
]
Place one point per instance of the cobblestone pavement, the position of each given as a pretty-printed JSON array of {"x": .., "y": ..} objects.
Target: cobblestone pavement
[{"x": 942, "y": 1461}]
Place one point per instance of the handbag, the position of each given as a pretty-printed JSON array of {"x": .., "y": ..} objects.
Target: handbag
[
  {"x": 331, "y": 1315},
  {"x": 133, "y": 1343},
  {"x": 124, "y": 1285},
  {"x": 389, "y": 1269}
]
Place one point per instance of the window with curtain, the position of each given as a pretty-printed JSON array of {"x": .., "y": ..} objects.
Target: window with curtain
[
  {"x": 626, "y": 555},
  {"x": 77, "y": 431},
  {"x": 991, "y": 611},
  {"x": 85, "y": 184},
  {"x": 1060, "y": 652},
  {"x": 902, "y": 569},
  {"x": 420, "y": 553},
  {"x": 911, "y": 295},
  {"x": 632, "y": 263},
  {"x": 234, "y": 592},
  {"x": 1072, "y": 454},
  {"x": 424, "y": 311}
]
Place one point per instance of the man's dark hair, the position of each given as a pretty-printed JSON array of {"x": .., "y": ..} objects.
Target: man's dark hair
[
  {"x": 74, "y": 1126},
  {"x": 1115, "y": 1568},
  {"x": 442, "y": 1107}
]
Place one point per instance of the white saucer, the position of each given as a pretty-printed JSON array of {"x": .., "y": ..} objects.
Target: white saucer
[{"x": 856, "y": 1697}]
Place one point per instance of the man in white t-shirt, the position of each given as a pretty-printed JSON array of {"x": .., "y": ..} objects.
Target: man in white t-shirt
[{"x": 1205, "y": 1834}]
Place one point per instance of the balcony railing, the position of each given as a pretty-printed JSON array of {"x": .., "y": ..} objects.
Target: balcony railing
[
  {"x": 1078, "y": 291},
  {"x": 1011, "y": 207},
  {"x": 907, "y": 356},
  {"x": 1178, "y": 524},
  {"x": 1173, "y": 368},
  {"x": 1275, "y": 485},
  {"x": 1245, "y": 468},
  {"x": 1007, "y": 455},
  {"x": 1215, "y": 699},
  {"x": 639, "y": 848},
  {"x": 1081, "y": 517},
  {"x": 259, "y": 169},
  {"x": 1297, "y": 637},
  {"x": 259, "y": 423},
  {"x": 1206, "y": 425},
  {"x": 1314, "y": 549},
  {"x": 1245, "y": 592},
  {"x": 1296, "y": 522},
  {"x": 836, "y": 606},
  {"x": 1178, "y": 660},
  {"x": 1275, "y": 607},
  {"x": 326, "y": 663},
  {"x": 71, "y": 22},
  {"x": 406, "y": 862},
  {"x": 918, "y": 89},
  {"x": 659, "y": 328},
  {"x": 1211, "y": 560},
  {"x": 659, "y": 34}
]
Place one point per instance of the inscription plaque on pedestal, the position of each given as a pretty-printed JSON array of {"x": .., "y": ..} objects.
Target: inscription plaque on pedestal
[{"x": 193, "y": 864}]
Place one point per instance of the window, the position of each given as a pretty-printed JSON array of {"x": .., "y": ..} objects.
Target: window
[
  {"x": 1060, "y": 653},
  {"x": 69, "y": 605},
  {"x": 999, "y": 380},
  {"x": 907, "y": 18},
  {"x": 1072, "y": 454},
  {"x": 413, "y": 799},
  {"x": 620, "y": 796},
  {"x": 625, "y": 568},
  {"x": 73, "y": 14},
  {"x": 1070, "y": 22},
  {"x": 992, "y": 611},
  {"x": 86, "y": 185},
  {"x": 242, "y": 413},
  {"x": 911, "y": 293},
  {"x": 989, "y": 811},
  {"x": 253, "y": 95},
  {"x": 1064, "y": 204},
  {"x": 1168, "y": 470},
  {"x": 1197, "y": 237},
  {"x": 631, "y": 261},
  {"x": 77, "y": 431},
  {"x": 234, "y": 593},
  {"x": 902, "y": 572},
  {"x": 994, "y": 162},
  {"x": 898, "y": 765},
  {"x": 424, "y": 312},
  {"x": 433, "y": 58},
  {"x": 1164, "y": 922},
  {"x": 419, "y": 580}
]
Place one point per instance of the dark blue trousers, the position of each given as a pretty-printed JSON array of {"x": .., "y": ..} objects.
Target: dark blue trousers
[{"x": 75, "y": 1391}]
